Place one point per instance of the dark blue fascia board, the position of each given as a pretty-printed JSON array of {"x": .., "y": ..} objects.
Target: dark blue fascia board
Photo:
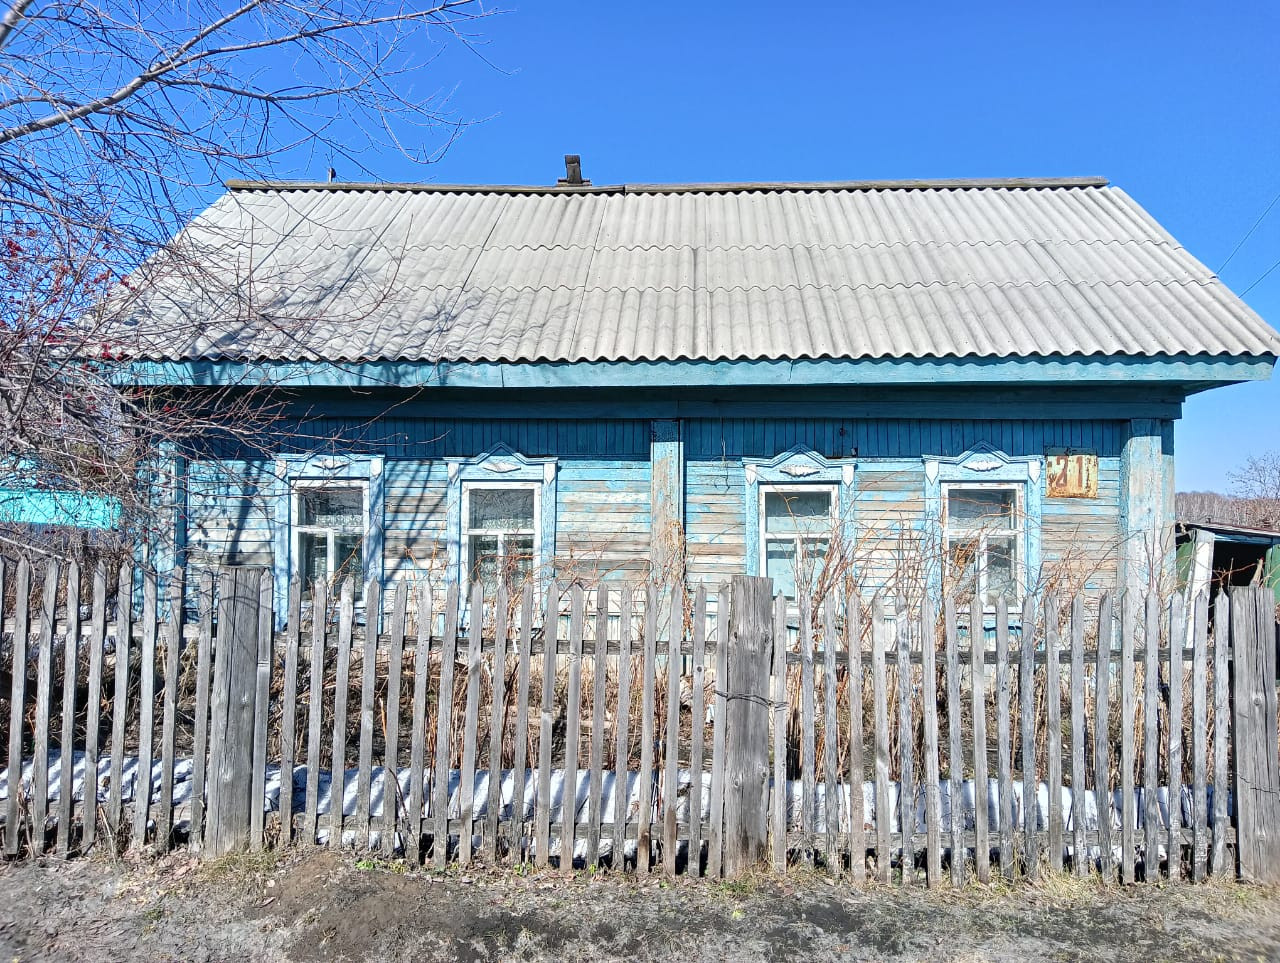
[{"x": 1194, "y": 372}]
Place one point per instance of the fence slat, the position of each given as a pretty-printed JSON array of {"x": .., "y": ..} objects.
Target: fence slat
[
  {"x": 44, "y": 698},
  {"x": 444, "y": 710},
  {"x": 119, "y": 702},
  {"x": 698, "y": 721},
  {"x": 17, "y": 703},
  {"x": 808, "y": 734},
  {"x": 1004, "y": 742},
  {"x": 1199, "y": 738},
  {"x": 172, "y": 651},
  {"x": 289, "y": 710},
  {"x": 1221, "y": 709},
  {"x": 519, "y": 836},
  {"x": 470, "y": 725},
  {"x": 599, "y": 676},
  {"x": 671, "y": 745},
  {"x": 1177, "y": 641},
  {"x": 981, "y": 785},
  {"x": 418, "y": 738},
  {"x": 146, "y": 710},
  {"x": 497, "y": 716},
  {"x": 1079, "y": 860},
  {"x": 778, "y": 795},
  {"x": 622, "y": 736},
  {"x": 315, "y": 708},
  {"x": 1027, "y": 737},
  {"x": 1053, "y": 702},
  {"x": 573, "y": 731},
  {"x": 906, "y": 746},
  {"x": 1101, "y": 731},
  {"x": 93, "y": 708},
  {"x": 1128, "y": 709},
  {"x": 342, "y": 686},
  {"x": 644, "y": 849},
  {"x": 1256, "y": 779},
  {"x": 200, "y": 740},
  {"x": 715, "y": 840},
  {"x": 261, "y": 711},
  {"x": 830, "y": 733},
  {"x": 67, "y": 732},
  {"x": 880, "y": 710},
  {"x": 955, "y": 767},
  {"x": 368, "y": 688},
  {"x": 857, "y": 776},
  {"x": 929, "y": 701},
  {"x": 542, "y": 817},
  {"x": 1151, "y": 741},
  {"x": 391, "y": 727}
]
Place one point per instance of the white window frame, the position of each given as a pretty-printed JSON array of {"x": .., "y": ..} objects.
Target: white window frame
[
  {"x": 764, "y": 489},
  {"x": 466, "y": 531},
  {"x": 1018, "y": 533},
  {"x": 297, "y": 488}
]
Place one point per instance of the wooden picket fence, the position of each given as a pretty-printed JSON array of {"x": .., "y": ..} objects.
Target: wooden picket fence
[{"x": 1127, "y": 737}]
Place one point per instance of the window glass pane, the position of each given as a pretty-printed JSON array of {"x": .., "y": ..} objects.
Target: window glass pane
[
  {"x": 484, "y": 560},
  {"x": 337, "y": 508},
  {"x": 1001, "y": 577},
  {"x": 519, "y": 562},
  {"x": 962, "y": 566},
  {"x": 786, "y": 512},
  {"x": 501, "y": 509},
  {"x": 780, "y": 565},
  {"x": 315, "y": 557},
  {"x": 980, "y": 508},
  {"x": 349, "y": 558}
]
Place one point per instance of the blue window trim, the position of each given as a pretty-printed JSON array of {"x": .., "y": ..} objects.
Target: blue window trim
[
  {"x": 795, "y": 468},
  {"x": 295, "y": 468},
  {"x": 983, "y": 464},
  {"x": 500, "y": 465}
]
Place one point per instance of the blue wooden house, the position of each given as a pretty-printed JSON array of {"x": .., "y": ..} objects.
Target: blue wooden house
[{"x": 960, "y": 383}]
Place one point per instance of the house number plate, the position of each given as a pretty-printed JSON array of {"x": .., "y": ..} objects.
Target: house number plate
[{"x": 1071, "y": 474}]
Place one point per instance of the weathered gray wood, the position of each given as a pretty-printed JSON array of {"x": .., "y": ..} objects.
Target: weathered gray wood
[
  {"x": 573, "y": 730},
  {"x": 1177, "y": 636},
  {"x": 67, "y": 731},
  {"x": 119, "y": 701},
  {"x": 981, "y": 809},
  {"x": 954, "y": 743},
  {"x": 880, "y": 711},
  {"x": 1199, "y": 738},
  {"x": 146, "y": 710},
  {"x": 342, "y": 687},
  {"x": 831, "y": 732},
  {"x": 497, "y": 718},
  {"x": 44, "y": 698},
  {"x": 93, "y": 708},
  {"x": 17, "y": 702},
  {"x": 715, "y": 838},
  {"x": 261, "y": 711},
  {"x": 418, "y": 739},
  {"x": 1053, "y": 705},
  {"x": 929, "y": 705},
  {"x": 857, "y": 775},
  {"x": 1151, "y": 741},
  {"x": 232, "y": 724},
  {"x": 172, "y": 650},
  {"x": 315, "y": 708},
  {"x": 368, "y": 688},
  {"x": 595, "y": 757},
  {"x": 1027, "y": 737},
  {"x": 1079, "y": 858},
  {"x": 1101, "y": 737},
  {"x": 778, "y": 799},
  {"x": 644, "y": 817},
  {"x": 391, "y": 730},
  {"x": 204, "y": 673},
  {"x": 622, "y": 735},
  {"x": 546, "y": 719},
  {"x": 1128, "y": 710},
  {"x": 671, "y": 741},
  {"x": 519, "y": 845},
  {"x": 808, "y": 727},
  {"x": 1004, "y": 747},
  {"x": 444, "y": 714},
  {"x": 292, "y": 639},
  {"x": 906, "y": 746},
  {"x": 1257, "y": 754},
  {"x": 1219, "y": 864},
  {"x": 470, "y": 725},
  {"x": 698, "y": 720},
  {"x": 751, "y": 646}
]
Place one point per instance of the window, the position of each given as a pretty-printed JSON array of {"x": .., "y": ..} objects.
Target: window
[
  {"x": 500, "y": 533},
  {"x": 796, "y": 524},
  {"x": 329, "y": 532},
  {"x": 983, "y": 532}
]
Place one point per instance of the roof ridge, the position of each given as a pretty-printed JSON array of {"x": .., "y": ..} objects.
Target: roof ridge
[{"x": 992, "y": 183}]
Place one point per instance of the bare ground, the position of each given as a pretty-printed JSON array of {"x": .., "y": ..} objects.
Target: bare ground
[{"x": 325, "y": 906}]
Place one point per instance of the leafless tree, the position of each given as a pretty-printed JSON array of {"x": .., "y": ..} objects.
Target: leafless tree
[{"x": 118, "y": 121}]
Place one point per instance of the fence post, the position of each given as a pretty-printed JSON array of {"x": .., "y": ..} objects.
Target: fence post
[
  {"x": 747, "y": 723},
  {"x": 232, "y": 727},
  {"x": 1257, "y": 756}
]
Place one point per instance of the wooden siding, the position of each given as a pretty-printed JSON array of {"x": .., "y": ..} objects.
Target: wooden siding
[{"x": 602, "y": 519}]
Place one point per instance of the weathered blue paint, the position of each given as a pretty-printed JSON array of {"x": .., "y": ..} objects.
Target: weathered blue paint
[
  {"x": 1146, "y": 505},
  {"x": 31, "y": 506}
]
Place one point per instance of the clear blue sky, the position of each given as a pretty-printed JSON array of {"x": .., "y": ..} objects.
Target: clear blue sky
[{"x": 1178, "y": 103}]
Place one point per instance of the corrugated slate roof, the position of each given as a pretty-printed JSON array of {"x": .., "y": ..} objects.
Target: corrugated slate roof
[{"x": 715, "y": 272}]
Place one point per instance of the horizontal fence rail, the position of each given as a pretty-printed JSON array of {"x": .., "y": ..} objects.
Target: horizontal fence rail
[{"x": 634, "y": 728}]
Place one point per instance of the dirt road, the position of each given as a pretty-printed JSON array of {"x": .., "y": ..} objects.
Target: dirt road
[{"x": 323, "y": 906}]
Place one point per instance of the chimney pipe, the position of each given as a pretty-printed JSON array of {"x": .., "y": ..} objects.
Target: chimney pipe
[{"x": 573, "y": 172}]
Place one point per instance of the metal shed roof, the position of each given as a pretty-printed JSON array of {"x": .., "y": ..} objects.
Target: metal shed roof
[{"x": 963, "y": 269}]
